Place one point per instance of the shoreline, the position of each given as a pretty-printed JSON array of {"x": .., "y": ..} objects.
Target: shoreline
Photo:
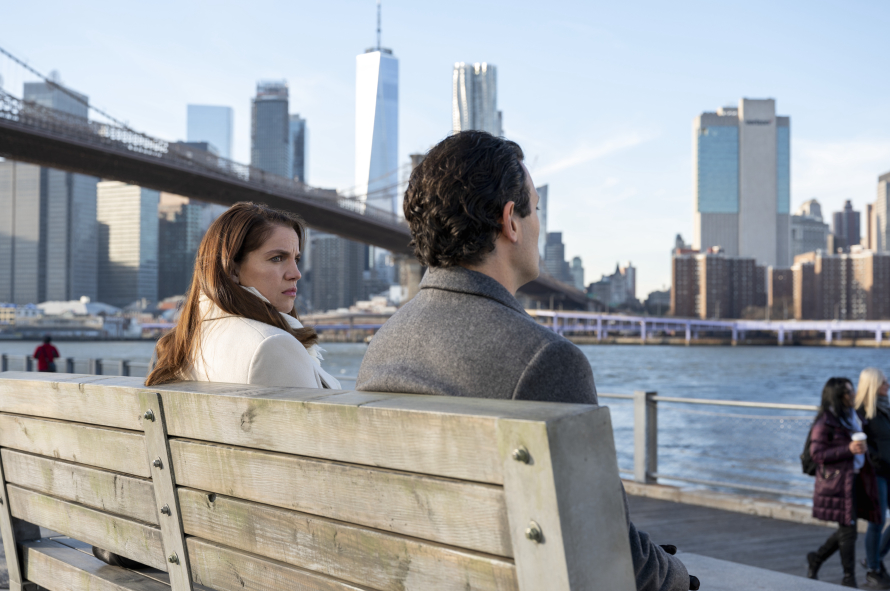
[{"x": 728, "y": 342}]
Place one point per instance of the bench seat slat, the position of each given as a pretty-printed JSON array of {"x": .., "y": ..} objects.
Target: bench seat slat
[
  {"x": 363, "y": 556},
  {"x": 226, "y": 569},
  {"x": 56, "y": 566},
  {"x": 126, "y": 537},
  {"x": 120, "y": 494},
  {"x": 112, "y": 449},
  {"x": 463, "y": 514}
]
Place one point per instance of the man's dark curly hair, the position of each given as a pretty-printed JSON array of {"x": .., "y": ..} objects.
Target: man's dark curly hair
[{"x": 456, "y": 196}]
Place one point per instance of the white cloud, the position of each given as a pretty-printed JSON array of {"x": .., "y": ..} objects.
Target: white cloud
[{"x": 586, "y": 153}]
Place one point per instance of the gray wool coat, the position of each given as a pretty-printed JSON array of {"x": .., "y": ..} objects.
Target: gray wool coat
[{"x": 464, "y": 334}]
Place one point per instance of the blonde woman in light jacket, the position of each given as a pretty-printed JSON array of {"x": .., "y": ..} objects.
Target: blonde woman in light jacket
[{"x": 238, "y": 323}]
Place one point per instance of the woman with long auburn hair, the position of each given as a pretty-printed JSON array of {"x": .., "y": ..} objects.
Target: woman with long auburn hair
[{"x": 238, "y": 323}]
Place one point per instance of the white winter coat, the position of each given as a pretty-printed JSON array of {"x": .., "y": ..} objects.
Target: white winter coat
[{"x": 238, "y": 350}]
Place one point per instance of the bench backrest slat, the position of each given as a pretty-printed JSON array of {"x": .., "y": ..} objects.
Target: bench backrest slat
[{"x": 321, "y": 489}]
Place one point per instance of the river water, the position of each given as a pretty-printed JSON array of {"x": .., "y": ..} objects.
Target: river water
[{"x": 744, "y": 447}]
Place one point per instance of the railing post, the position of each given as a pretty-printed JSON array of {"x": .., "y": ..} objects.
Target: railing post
[
  {"x": 642, "y": 332},
  {"x": 69, "y": 365},
  {"x": 4, "y": 362},
  {"x": 599, "y": 328},
  {"x": 688, "y": 333},
  {"x": 645, "y": 437},
  {"x": 124, "y": 367},
  {"x": 29, "y": 363},
  {"x": 95, "y": 367}
]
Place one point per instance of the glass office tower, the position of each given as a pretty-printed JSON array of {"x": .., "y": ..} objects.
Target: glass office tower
[
  {"x": 128, "y": 243},
  {"x": 298, "y": 137},
  {"x": 211, "y": 124},
  {"x": 270, "y": 146},
  {"x": 474, "y": 98},
  {"x": 377, "y": 129},
  {"x": 742, "y": 182}
]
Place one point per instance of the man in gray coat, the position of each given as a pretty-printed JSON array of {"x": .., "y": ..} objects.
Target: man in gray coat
[{"x": 472, "y": 209}]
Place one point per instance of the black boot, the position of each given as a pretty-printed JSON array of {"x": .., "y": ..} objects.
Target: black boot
[
  {"x": 875, "y": 579},
  {"x": 849, "y": 580},
  {"x": 813, "y": 563}
]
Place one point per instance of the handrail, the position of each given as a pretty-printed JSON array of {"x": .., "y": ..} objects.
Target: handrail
[{"x": 736, "y": 403}]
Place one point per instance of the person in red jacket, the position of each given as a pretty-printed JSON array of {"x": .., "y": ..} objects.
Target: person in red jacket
[
  {"x": 846, "y": 486},
  {"x": 46, "y": 355}
]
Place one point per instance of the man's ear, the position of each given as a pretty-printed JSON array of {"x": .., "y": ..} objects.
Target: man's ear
[{"x": 509, "y": 227}]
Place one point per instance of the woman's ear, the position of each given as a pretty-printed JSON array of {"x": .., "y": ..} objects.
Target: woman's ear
[{"x": 234, "y": 274}]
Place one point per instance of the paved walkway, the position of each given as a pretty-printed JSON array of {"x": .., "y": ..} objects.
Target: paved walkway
[{"x": 755, "y": 541}]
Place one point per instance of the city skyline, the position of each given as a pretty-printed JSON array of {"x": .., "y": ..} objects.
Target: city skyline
[{"x": 592, "y": 129}]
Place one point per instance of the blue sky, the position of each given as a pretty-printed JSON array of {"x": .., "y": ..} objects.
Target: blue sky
[{"x": 601, "y": 95}]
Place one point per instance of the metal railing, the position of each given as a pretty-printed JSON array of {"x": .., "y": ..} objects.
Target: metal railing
[
  {"x": 99, "y": 367},
  {"x": 722, "y": 444}
]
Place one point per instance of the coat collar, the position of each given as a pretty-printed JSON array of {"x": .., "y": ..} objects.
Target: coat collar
[{"x": 462, "y": 280}]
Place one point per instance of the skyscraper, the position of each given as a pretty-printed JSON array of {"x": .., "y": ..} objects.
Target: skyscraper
[
  {"x": 377, "y": 126},
  {"x": 846, "y": 226},
  {"x": 474, "y": 98},
  {"x": 211, "y": 124},
  {"x": 337, "y": 266},
  {"x": 808, "y": 232},
  {"x": 881, "y": 215},
  {"x": 48, "y": 229},
  {"x": 742, "y": 182},
  {"x": 578, "y": 273},
  {"x": 542, "y": 217},
  {"x": 179, "y": 235},
  {"x": 298, "y": 134},
  {"x": 128, "y": 243},
  {"x": 270, "y": 146},
  {"x": 555, "y": 258}
]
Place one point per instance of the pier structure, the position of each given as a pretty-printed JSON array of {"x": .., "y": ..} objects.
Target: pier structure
[{"x": 572, "y": 323}]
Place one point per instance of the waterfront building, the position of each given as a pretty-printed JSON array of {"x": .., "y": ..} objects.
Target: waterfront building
[
  {"x": 869, "y": 241},
  {"x": 377, "y": 127},
  {"x": 542, "y": 218},
  {"x": 844, "y": 286},
  {"x": 846, "y": 227},
  {"x": 658, "y": 303},
  {"x": 179, "y": 234},
  {"x": 48, "y": 229},
  {"x": 882, "y": 215},
  {"x": 617, "y": 289},
  {"x": 712, "y": 284},
  {"x": 337, "y": 271},
  {"x": 211, "y": 124},
  {"x": 780, "y": 293},
  {"x": 270, "y": 146},
  {"x": 298, "y": 137},
  {"x": 555, "y": 263},
  {"x": 577, "y": 271},
  {"x": 742, "y": 182},
  {"x": 808, "y": 232},
  {"x": 128, "y": 243},
  {"x": 474, "y": 98}
]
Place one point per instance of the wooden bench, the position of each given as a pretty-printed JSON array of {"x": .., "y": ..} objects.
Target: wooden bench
[{"x": 235, "y": 487}]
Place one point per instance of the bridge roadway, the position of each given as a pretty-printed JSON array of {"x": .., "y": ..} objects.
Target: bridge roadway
[{"x": 46, "y": 137}]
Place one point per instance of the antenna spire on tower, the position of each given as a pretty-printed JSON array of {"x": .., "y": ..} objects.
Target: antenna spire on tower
[{"x": 378, "y": 25}]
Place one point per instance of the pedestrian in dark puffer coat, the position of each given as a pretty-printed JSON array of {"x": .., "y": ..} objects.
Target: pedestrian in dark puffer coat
[
  {"x": 873, "y": 408},
  {"x": 846, "y": 487}
]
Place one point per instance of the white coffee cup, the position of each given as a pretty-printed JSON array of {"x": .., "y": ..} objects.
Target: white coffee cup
[{"x": 859, "y": 436}]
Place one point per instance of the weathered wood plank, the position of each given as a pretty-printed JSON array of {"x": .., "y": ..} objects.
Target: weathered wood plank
[
  {"x": 163, "y": 478},
  {"x": 358, "y": 555},
  {"x": 109, "y": 491},
  {"x": 462, "y": 514},
  {"x": 565, "y": 487},
  {"x": 112, "y": 449},
  {"x": 226, "y": 569},
  {"x": 456, "y": 446},
  {"x": 126, "y": 537},
  {"x": 11, "y": 535},
  {"x": 55, "y": 566},
  {"x": 72, "y": 397}
]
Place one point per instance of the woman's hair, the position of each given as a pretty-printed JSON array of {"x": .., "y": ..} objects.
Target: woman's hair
[
  {"x": 870, "y": 381},
  {"x": 242, "y": 229},
  {"x": 833, "y": 395}
]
